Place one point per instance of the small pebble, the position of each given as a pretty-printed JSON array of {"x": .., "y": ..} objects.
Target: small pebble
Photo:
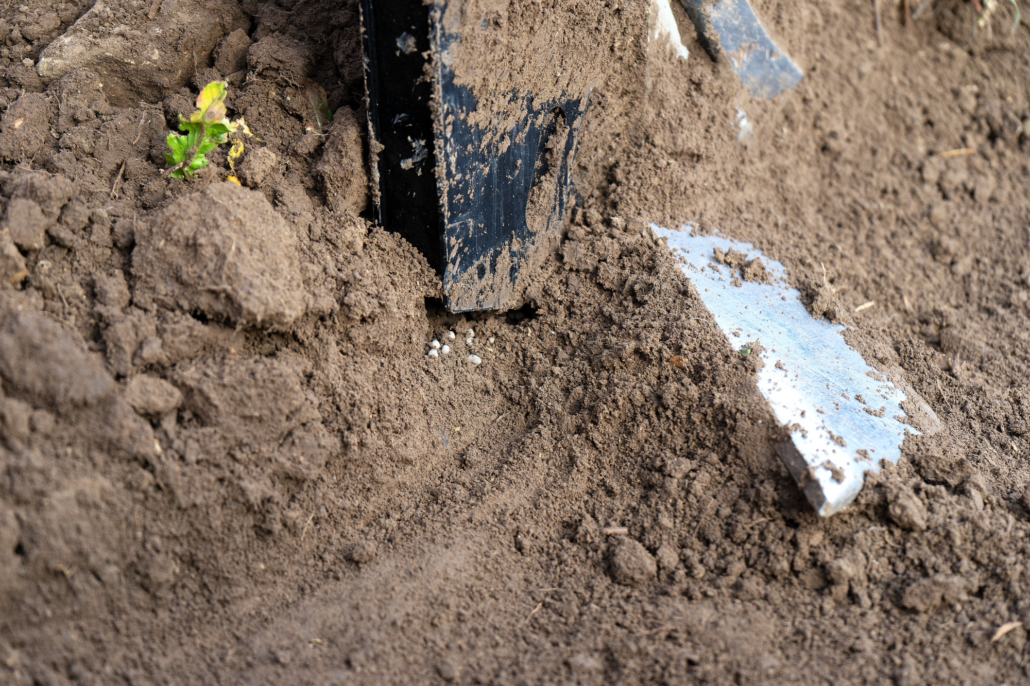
[
  {"x": 435, "y": 345},
  {"x": 450, "y": 335},
  {"x": 433, "y": 353},
  {"x": 447, "y": 671},
  {"x": 475, "y": 359},
  {"x": 470, "y": 333},
  {"x": 446, "y": 349},
  {"x": 490, "y": 340}
]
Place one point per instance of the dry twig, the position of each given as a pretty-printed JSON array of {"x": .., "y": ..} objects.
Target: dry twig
[{"x": 1004, "y": 629}]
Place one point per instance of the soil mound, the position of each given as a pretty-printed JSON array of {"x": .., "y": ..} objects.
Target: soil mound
[{"x": 226, "y": 457}]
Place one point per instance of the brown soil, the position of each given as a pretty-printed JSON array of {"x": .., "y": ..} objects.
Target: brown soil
[{"x": 226, "y": 457}]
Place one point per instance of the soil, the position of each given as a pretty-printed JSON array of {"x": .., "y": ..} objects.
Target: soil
[{"x": 227, "y": 458}]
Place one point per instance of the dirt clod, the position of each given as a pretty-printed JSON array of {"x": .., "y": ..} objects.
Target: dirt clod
[
  {"x": 342, "y": 168},
  {"x": 179, "y": 37},
  {"x": 926, "y": 595},
  {"x": 26, "y": 223},
  {"x": 907, "y": 510},
  {"x": 25, "y": 126},
  {"x": 223, "y": 251},
  {"x": 44, "y": 365},
  {"x": 631, "y": 564},
  {"x": 231, "y": 55},
  {"x": 361, "y": 552},
  {"x": 256, "y": 166},
  {"x": 152, "y": 396}
]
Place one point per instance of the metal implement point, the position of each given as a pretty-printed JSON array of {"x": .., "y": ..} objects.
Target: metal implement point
[
  {"x": 844, "y": 416},
  {"x": 483, "y": 201},
  {"x": 731, "y": 28}
]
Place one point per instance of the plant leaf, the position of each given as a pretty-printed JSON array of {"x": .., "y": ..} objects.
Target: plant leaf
[
  {"x": 235, "y": 153},
  {"x": 178, "y": 146},
  {"x": 213, "y": 92},
  {"x": 219, "y": 129},
  {"x": 241, "y": 124}
]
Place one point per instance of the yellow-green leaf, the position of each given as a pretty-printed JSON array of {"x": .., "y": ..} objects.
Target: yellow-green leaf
[
  {"x": 242, "y": 124},
  {"x": 235, "y": 153},
  {"x": 213, "y": 92}
]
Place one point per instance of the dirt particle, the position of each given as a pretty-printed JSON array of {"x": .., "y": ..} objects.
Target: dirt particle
[
  {"x": 755, "y": 272},
  {"x": 151, "y": 396},
  {"x": 578, "y": 257},
  {"x": 841, "y": 571},
  {"x": 9, "y": 534},
  {"x": 447, "y": 671},
  {"x": 257, "y": 165},
  {"x": 12, "y": 263},
  {"x": 14, "y": 418},
  {"x": 158, "y": 574},
  {"x": 668, "y": 557},
  {"x": 51, "y": 193},
  {"x": 678, "y": 468},
  {"x": 27, "y": 224},
  {"x": 280, "y": 57},
  {"x": 631, "y": 564},
  {"x": 907, "y": 510},
  {"x": 47, "y": 23},
  {"x": 826, "y": 303},
  {"x": 360, "y": 552}
]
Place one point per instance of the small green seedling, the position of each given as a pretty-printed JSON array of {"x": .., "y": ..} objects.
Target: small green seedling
[
  {"x": 205, "y": 130},
  {"x": 745, "y": 350},
  {"x": 315, "y": 95}
]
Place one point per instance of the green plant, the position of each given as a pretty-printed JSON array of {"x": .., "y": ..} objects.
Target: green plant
[
  {"x": 205, "y": 130},
  {"x": 315, "y": 95}
]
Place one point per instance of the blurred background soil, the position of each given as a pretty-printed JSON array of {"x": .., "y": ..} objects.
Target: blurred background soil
[{"x": 226, "y": 457}]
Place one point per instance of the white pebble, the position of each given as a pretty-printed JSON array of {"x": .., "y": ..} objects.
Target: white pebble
[
  {"x": 433, "y": 353},
  {"x": 450, "y": 335},
  {"x": 490, "y": 340},
  {"x": 446, "y": 349},
  {"x": 475, "y": 359},
  {"x": 435, "y": 345},
  {"x": 470, "y": 333}
]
